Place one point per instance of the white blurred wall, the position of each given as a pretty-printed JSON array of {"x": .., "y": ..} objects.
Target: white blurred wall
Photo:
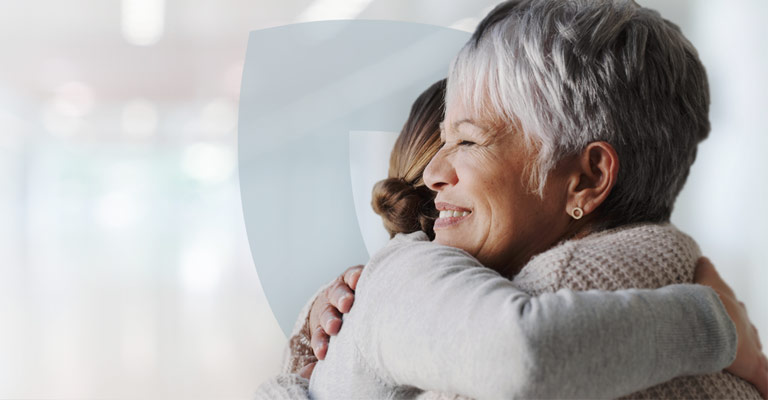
[{"x": 124, "y": 267}]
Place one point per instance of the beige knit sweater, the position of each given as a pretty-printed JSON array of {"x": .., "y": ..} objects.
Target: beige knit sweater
[{"x": 639, "y": 256}]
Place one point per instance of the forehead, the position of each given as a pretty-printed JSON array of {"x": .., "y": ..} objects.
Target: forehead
[
  {"x": 459, "y": 110},
  {"x": 458, "y": 119},
  {"x": 464, "y": 124}
]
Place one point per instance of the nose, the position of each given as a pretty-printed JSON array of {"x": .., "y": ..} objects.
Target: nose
[{"x": 440, "y": 172}]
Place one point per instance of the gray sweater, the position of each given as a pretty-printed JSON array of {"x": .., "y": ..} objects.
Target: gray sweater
[
  {"x": 609, "y": 260},
  {"x": 430, "y": 317}
]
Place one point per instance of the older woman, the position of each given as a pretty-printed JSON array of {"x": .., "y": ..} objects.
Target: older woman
[
  {"x": 406, "y": 206},
  {"x": 401, "y": 202},
  {"x": 543, "y": 105},
  {"x": 556, "y": 94}
]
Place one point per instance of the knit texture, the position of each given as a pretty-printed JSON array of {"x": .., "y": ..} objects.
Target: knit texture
[
  {"x": 298, "y": 353},
  {"x": 284, "y": 386},
  {"x": 644, "y": 256},
  {"x": 640, "y": 256}
]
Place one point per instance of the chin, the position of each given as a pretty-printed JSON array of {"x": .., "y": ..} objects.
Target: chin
[
  {"x": 444, "y": 238},
  {"x": 452, "y": 240}
]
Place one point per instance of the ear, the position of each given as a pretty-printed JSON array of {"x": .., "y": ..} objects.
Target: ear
[{"x": 593, "y": 177}]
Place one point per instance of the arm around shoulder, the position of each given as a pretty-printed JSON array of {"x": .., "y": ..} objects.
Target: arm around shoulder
[{"x": 434, "y": 318}]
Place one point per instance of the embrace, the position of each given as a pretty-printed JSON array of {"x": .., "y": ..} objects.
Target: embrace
[{"x": 528, "y": 199}]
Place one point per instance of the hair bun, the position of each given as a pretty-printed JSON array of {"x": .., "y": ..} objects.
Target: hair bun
[{"x": 403, "y": 207}]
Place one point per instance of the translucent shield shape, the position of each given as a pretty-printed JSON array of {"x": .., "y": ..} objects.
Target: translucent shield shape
[
  {"x": 369, "y": 163},
  {"x": 305, "y": 88}
]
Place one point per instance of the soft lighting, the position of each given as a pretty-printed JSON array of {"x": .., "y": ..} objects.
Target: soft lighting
[
  {"x": 139, "y": 118},
  {"x": 143, "y": 21},
  {"x": 73, "y": 99},
  {"x": 12, "y": 128},
  {"x": 138, "y": 347},
  {"x": 200, "y": 267},
  {"x": 60, "y": 125},
  {"x": 466, "y": 24},
  {"x": 219, "y": 117},
  {"x": 117, "y": 210},
  {"x": 208, "y": 162},
  {"x": 64, "y": 112},
  {"x": 333, "y": 9},
  {"x": 233, "y": 78}
]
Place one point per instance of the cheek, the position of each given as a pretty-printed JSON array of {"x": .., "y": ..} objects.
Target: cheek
[
  {"x": 515, "y": 211},
  {"x": 504, "y": 193}
]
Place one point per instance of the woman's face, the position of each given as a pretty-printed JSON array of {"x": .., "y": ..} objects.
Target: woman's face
[{"x": 486, "y": 206}]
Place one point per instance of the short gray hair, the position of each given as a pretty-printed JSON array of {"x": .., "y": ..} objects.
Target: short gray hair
[{"x": 568, "y": 73}]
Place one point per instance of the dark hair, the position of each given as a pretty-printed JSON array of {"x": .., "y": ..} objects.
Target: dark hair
[{"x": 404, "y": 202}]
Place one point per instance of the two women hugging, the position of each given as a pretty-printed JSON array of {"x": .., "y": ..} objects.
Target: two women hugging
[{"x": 528, "y": 199}]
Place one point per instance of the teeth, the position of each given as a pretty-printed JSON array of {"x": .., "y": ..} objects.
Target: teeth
[{"x": 452, "y": 213}]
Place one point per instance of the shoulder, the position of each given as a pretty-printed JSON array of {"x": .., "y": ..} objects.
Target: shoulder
[
  {"x": 656, "y": 247},
  {"x": 412, "y": 260},
  {"x": 415, "y": 250},
  {"x": 640, "y": 255}
]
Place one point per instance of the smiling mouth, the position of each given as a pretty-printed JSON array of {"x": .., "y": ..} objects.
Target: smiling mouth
[
  {"x": 448, "y": 218},
  {"x": 452, "y": 213}
]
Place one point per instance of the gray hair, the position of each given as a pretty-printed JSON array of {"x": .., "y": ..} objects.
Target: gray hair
[{"x": 568, "y": 73}]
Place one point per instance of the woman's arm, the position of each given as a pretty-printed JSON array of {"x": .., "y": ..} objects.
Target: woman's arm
[
  {"x": 327, "y": 304},
  {"x": 431, "y": 316},
  {"x": 298, "y": 353}
]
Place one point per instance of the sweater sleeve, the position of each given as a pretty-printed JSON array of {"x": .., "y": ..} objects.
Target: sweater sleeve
[
  {"x": 432, "y": 317},
  {"x": 299, "y": 353},
  {"x": 283, "y": 387}
]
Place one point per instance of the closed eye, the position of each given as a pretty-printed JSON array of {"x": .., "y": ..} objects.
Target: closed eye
[{"x": 466, "y": 143}]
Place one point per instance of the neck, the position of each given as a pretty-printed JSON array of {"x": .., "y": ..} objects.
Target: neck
[{"x": 576, "y": 229}]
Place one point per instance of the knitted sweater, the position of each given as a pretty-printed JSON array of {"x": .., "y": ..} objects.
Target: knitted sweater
[
  {"x": 637, "y": 256},
  {"x": 563, "y": 357}
]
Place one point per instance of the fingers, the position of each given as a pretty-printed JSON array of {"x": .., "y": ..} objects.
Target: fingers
[
  {"x": 704, "y": 269},
  {"x": 330, "y": 320},
  {"x": 352, "y": 275},
  {"x": 319, "y": 343},
  {"x": 341, "y": 295},
  {"x": 325, "y": 313},
  {"x": 762, "y": 384},
  {"x": 306, "y": 372},
  {"x": 325, "y": 320},
  {"x": 330, "y": 323},
  {"x": 706, "y": 274}
]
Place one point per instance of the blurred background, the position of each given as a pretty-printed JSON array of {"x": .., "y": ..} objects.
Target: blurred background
[{"x": 124, "y": 265}]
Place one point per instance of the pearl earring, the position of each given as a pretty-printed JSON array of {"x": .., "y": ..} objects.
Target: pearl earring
[{"x": 577, "y": 213}]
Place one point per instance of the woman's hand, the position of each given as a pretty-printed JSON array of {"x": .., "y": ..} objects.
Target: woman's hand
[
  {"x": 325, "y": 315},
  {"x": 750, "y": 363}
]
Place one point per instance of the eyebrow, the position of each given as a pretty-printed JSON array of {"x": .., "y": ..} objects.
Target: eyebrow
[{"x": 458, "y": 124}]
